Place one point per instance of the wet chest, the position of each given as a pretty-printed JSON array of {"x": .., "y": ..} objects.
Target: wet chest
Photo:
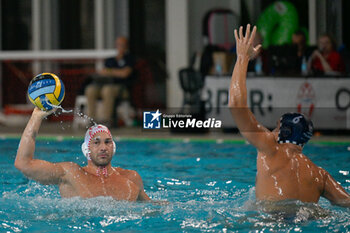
[{"x": 116, "y": 186}]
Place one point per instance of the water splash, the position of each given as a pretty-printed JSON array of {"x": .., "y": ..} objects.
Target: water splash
[
  {"x": 57, "y": 106},
  {"x": 86, "y": 120}
]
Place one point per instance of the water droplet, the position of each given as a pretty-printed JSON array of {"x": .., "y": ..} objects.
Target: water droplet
[{"x": 345, "y": 173}]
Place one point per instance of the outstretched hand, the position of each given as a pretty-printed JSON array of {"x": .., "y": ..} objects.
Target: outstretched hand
[{"x": 244, "y": 44}]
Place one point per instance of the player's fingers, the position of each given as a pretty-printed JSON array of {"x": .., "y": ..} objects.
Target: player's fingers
[
  {"x": 51, "y": 111},
  {"x": 247, "y": 33},
  {"x": 236, "y": 35},
  {"x": 240, "y": 32},
  {"x": 257, "y": 48},
  {"x": 252, "y": 35}
]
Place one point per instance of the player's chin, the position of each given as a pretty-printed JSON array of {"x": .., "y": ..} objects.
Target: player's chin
[{"x": 103, "y": 160}]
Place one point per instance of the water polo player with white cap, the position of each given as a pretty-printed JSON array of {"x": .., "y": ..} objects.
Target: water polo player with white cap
[
  {"x": 98, "y": 178},
  {"x": 92, "y": 138},
  {"x": 283, "y": 171}
]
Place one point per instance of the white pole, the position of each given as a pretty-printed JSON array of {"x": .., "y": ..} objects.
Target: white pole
[
  {"x": 109, "y": 24},
  {"x": 64, "y": 54},
  {"x": 99, "y": 32},
  {"x": 46, "y": 26},
  {"x": 177, "y": 47},
  {"x": 36, "y": 32},
  {"x": 1, "y": 86},
  {"x": 312, "y": 22}
]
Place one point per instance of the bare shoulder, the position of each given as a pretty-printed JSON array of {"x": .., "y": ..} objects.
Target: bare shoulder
[
  {"x": 126, "y": 172},
  {"x": 320, "y": 171},
  {"x": 130, "y": 174},
  {"x": 323, "y": 175},
  {"x": 323, "y": 172},
  {"x": 69, "y": 165},
  {"x": 70, "y": 168}
]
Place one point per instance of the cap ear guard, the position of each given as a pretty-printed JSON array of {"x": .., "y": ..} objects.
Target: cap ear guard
[
  {"x": 285, "y": 131},
  {"x": 114, "y": 147},
  {"x": 85, "y": 150}
]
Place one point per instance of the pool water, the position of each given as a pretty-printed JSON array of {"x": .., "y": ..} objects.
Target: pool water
[{"x": 209, "y": 186}]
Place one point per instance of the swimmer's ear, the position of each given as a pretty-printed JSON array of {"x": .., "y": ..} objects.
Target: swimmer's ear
[{"x": 285, "y": 131}]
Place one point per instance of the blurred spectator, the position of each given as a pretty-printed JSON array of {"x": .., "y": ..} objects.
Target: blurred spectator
[
  {"x": 111, "y": 82},
  {"x": 303, "y": 52},
  {"x": 260, "y": 65},
  {"x": 299, "y": 39},
  {"x": 325, "y": 60}
]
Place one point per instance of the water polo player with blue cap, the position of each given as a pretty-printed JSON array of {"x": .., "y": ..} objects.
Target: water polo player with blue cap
[
  {"x": 283, "y": 171},
  {"x": 295, "y": 129},
  {"x": 98, "y": 178}
]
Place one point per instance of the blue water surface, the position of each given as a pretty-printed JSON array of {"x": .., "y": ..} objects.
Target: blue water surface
[{"x": 209, "y": 186}]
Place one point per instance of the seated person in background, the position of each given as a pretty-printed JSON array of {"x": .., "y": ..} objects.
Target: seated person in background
[
  {"x": 299, "y": 39},
  {"x": 303, "y": 51},
  {"x": 325, "y": 60},
  {"x": 111, "y": 81}
]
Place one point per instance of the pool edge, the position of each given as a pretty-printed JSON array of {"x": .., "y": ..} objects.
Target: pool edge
[{"x": 170, "y": 139}]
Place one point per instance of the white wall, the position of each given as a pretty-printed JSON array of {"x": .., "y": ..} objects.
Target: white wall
[
  {"x": 177, "y": 48},
  {"x": 184, "y": 37}
]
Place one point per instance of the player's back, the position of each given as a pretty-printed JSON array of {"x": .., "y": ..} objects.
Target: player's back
[{"x": 288, "y": 175}]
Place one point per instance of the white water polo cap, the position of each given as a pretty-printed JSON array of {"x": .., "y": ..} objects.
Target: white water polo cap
[{"x": 90, "y": 134}]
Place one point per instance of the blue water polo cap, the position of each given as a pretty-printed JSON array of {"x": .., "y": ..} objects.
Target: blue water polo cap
[{"x": 295, "y": 128}]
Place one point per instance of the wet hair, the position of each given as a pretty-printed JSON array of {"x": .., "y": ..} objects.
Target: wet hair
[{"x": 295, "y": 128}]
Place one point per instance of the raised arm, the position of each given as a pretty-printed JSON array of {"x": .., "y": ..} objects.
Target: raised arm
[
  {"x": 39, "y": 170},
  {"x": 248, "y": 126},
  {"x": 334, "y": 192}
]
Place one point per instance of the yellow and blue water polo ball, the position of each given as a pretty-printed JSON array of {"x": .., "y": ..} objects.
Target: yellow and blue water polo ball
[{"x": 45, "y": 91}]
